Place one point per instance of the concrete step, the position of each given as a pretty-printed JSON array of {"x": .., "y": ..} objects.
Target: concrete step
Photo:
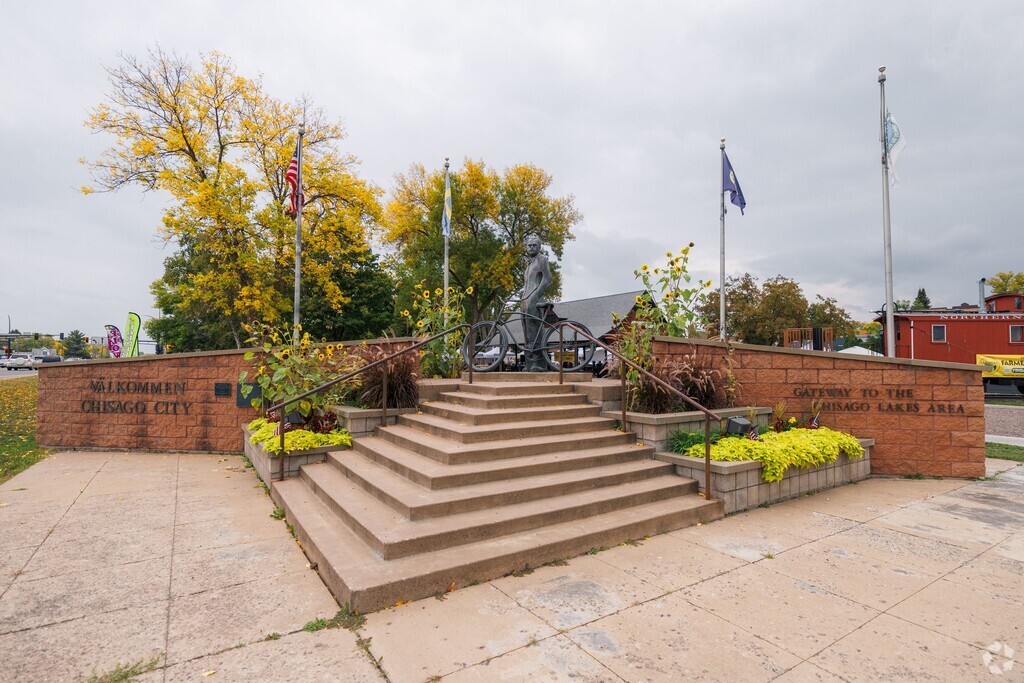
[
  {"x": 445, "y": 451},
  {"x": 483, "y": 416},
  {"x": 470, "y": 434},
  {"x": 567, "y": 377},
  {"x": 515, "y": 388},
  {"x": 496, "y": 402},
  {"x": 431, "y": 474},
  {"x": 362, "y": 579},
  {"x": 416, "y": 502},
  {"x": 392, "y": 536}
]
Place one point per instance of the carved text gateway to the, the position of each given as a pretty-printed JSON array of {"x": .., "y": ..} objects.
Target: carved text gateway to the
[{"x": 888, "y": 400}]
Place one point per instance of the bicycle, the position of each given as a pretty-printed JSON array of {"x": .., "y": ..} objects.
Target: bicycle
[{"x": 488, "y": 342}]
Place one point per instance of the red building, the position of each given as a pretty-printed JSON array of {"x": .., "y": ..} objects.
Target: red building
[{"x": 959, "y": 335}]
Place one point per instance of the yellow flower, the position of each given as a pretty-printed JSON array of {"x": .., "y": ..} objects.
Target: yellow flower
[
  {"x": 451, "y": 290},
  {"x": 286, "y": 354},
  {"x": 639, "y": 299},
  {"x": 469, "y": 290},
  {"x": 686, "y": 250},
  {"x": 319, "y": 356},
  {"x": 668, "y": 254},
  {"x": 792, "y": 420},
  {"x": 667, "y": 296},
  {"x": 330, "y": 348},
  {"x": 426, "y": 294},
  {"x": 419, "y": 324},
  {"x": 246, "y": 327},
  {"x": 438, "y": 291},
  {"x": 298, "y": 328},
  {"x": 263, "y": 368},
  {"x": 276, "y": 339},
  {"x": 645, "y": 267},
  {"x": 656, "y": 271},
  {"x": 406, "y": 313}
]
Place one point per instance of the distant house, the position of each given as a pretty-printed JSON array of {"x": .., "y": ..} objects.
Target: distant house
[{"x": 595, "y": 313}]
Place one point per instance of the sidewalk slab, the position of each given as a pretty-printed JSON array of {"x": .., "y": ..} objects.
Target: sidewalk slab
[{"x": 111, "y": 559}]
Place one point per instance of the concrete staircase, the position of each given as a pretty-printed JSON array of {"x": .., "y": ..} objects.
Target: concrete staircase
[{"x": 490, "y": 479}]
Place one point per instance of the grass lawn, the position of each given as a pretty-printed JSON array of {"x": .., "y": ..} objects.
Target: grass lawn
[
  {"x": 1004, "y": 451},
  {"x": 18, "y": 448},
  {"x": 1004, "y": 401}
]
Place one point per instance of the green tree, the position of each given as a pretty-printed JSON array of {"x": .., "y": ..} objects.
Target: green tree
[
  {"x": 761, "y": 313},
  {"x": 370, "y": 311},
  {"x": 826, "y": 312},
  {"x": 218, "y": 145},
  {"x": 74, "y": 345},
  {"x": 922, "y": 300},
  {"x": 1007, "y": 283},
  {"x": 491, "y": 215}
]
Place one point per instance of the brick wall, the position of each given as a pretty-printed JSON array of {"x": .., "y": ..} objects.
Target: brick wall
[
  {"x": 925, "y": 417},
  {"x": 147, "y": 403},
  {"x": 163, "y": 403}
]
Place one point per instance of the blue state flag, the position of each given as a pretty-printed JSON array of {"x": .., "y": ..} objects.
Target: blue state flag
[
  {"x": 446, "y": 214},
  {"x": 731, "y": 185}
]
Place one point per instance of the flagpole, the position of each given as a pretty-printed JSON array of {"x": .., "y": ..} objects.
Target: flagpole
[
  {"x": 721, "y": 280},
  {"x": 298, "y": 239},
  {"x": 445, "y": 232},
  {"x": 890, "y": 322}
]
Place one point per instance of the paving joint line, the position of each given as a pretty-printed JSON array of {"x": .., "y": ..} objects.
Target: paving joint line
[
  {"x": 48, "y": 533},
  {"x": 170, "y": 573}
]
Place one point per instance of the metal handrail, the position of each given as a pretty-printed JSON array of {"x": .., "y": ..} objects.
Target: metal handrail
[
  {"x": 708, "y": 414},
  {"x": 382, "y": 361}
]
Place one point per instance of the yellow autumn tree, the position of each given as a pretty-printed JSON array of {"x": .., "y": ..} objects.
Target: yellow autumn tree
[
  {"x": 219, "y": 146},
  {"x": 491, "y": 215}
]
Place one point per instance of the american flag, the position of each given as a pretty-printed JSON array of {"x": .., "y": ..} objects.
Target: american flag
[
  {"x": 752, "y": 434},
  {"x": 292, "y": 177},
  {"x": 814, "y": 421}
]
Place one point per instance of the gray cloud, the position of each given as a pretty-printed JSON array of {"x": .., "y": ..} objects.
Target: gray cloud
[{"x": 623, "y": 104}]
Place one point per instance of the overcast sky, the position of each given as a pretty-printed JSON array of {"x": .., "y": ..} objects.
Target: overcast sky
[{"x": 623, "y": 103}]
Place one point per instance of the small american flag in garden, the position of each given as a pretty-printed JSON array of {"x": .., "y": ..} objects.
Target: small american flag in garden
[
  {"x": 752, "y": 434},
  {"x": 292, "y": 177},
  {"x": 814, "y": 421}
]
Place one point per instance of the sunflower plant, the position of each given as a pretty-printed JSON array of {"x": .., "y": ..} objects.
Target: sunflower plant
[
  {"x": 288, "y": 363},
  {"x": 429, "y": 316},
  {"x": 667, "y": 306}
]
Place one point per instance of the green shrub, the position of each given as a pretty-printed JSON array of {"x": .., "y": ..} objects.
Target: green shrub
[
  {"x": 264, "y": 433},
  {"x": 777, "y": 451},
  {"x": 679, "y": 442}
]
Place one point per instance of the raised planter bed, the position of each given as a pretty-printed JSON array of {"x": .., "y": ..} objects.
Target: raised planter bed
[
  {"x": 740, "y": 486},
  {"x": 269, "y": 467},
  {"x": 654, "y": 430},
  {"x": 364, "y": 421}
]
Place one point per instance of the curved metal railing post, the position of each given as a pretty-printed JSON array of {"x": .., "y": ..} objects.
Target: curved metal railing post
[
  {"x": 561, "y": 346},
  {"x": 707, "y": 457}
]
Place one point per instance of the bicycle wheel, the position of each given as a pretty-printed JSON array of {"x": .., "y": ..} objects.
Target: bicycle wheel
[
  {"x": 490, "y": 343},
  {"x": 576, "y": 349}
]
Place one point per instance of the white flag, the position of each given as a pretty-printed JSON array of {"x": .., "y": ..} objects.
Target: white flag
[{"x": 895, "y": 143}]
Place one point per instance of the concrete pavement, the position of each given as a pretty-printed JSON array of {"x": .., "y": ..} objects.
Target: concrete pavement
[{"x": 114, "y": 559}]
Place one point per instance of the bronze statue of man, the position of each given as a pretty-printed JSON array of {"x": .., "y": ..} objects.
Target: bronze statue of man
[{"x": 535, "y": 283}]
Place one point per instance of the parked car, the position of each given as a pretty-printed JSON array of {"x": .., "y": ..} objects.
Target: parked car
[
  {"x": 46, "y": 359},
  {"x": 20, "y": 361}
]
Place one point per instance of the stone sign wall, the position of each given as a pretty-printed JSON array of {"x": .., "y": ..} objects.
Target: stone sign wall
[
  {"x": 925, "y": 417},
  {"x": 176, "y": 402},
  {"x": 167, "y": 402}
]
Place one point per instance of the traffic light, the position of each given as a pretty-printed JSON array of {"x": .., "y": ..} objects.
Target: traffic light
[
  {"x": 62, "y": 336},
  {"x": 36, "y": 336}
]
